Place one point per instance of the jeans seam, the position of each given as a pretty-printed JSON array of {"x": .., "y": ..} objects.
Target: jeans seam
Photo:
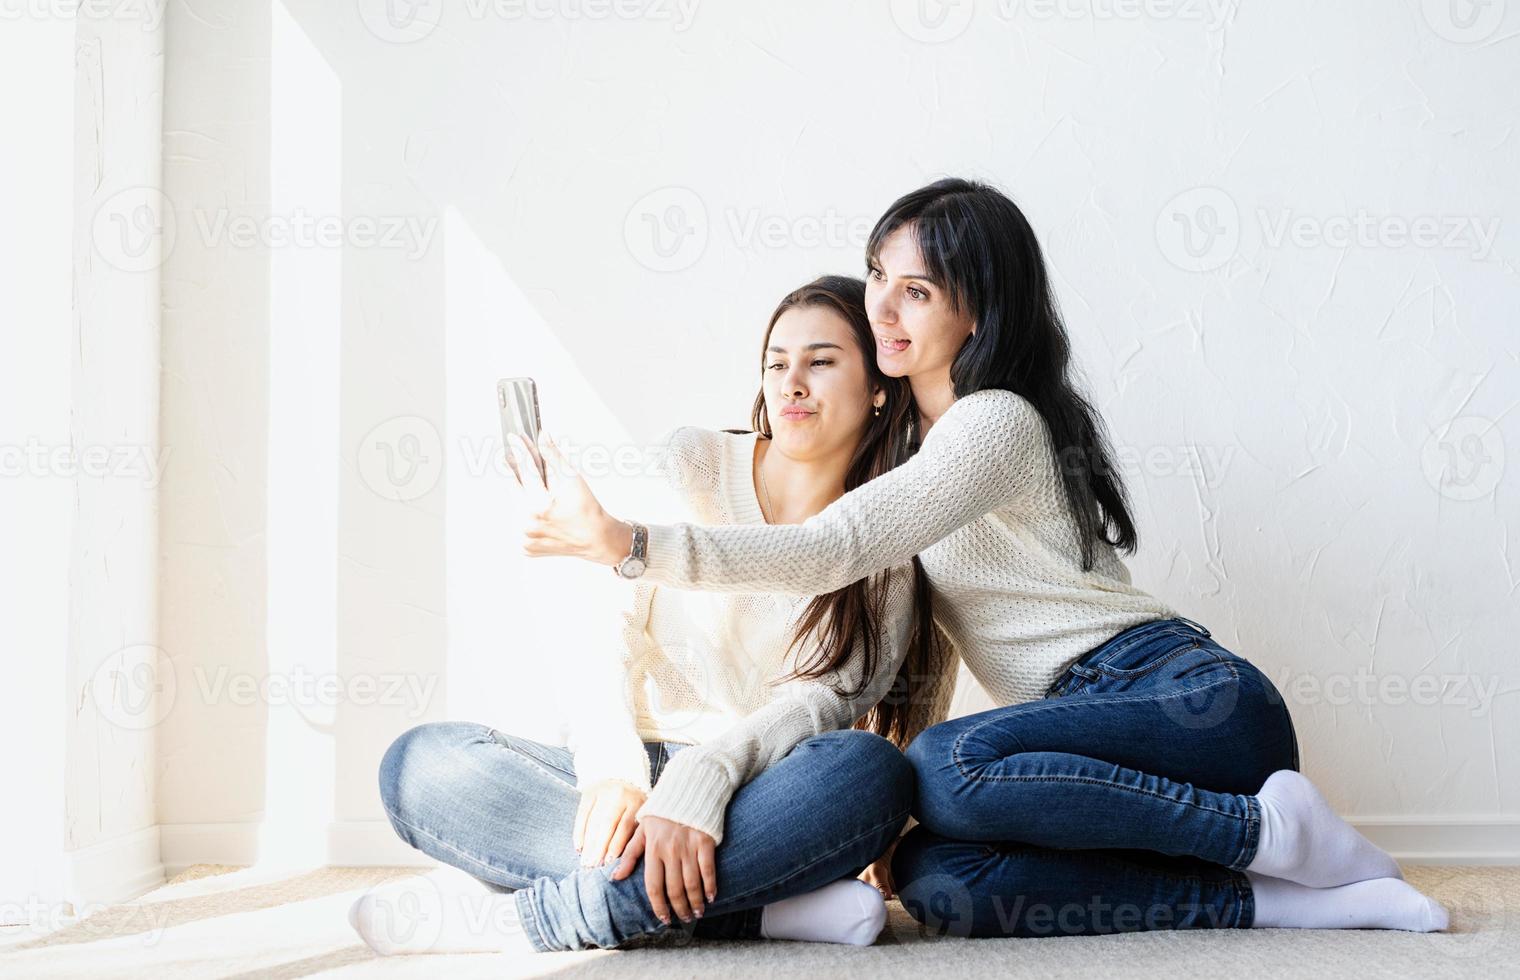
[
  {"x": 1132, "y": 641},
  {"x": 548, "y": 769},
  {"x": 1044, "y": 703},
  {"x": 955, "y": 751},
  {"x": 1132, "y": 673},
  {"x": 1245, "y": 911},
  {"x": 1252, "y": 835},
  {"x": 528, "y": 915},
  {"x": 1060, "y": 854},
  {"x": 1103, "y": 782}
]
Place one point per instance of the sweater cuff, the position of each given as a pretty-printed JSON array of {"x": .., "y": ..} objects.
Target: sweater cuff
[
  {"x": 694, "y": 789},
  {"x": 662, "y": 549}
]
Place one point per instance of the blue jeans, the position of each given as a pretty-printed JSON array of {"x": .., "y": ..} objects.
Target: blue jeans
[
  {"x": 1121, "y": 801},
  {"x": 502, "y": 809}
]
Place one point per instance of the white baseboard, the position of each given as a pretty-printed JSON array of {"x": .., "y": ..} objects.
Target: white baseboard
[
  {"x": 186, "y": 844},
  {"x": 358, "y": 843},
  {"x": 115, "y": 870},
  {"x": 1444, "y": 840},
  {"x": 350, "y": 843}
]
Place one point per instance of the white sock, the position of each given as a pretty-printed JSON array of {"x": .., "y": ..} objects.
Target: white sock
[
  {"x": 1302, "y": 840},
  {"x": 443, "y": 911},
  {"x": 846, "y": 911},
  {"x": 1378, "y": 903}
]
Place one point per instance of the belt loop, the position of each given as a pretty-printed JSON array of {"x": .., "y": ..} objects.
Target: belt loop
[{"x": 1197, "y": 626}]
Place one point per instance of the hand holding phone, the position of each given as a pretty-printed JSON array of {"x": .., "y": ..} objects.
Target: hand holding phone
[{"x": 517, "y": 400}]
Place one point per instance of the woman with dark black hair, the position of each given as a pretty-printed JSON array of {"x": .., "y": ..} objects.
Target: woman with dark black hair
[{"x": 1139, "y": 775}]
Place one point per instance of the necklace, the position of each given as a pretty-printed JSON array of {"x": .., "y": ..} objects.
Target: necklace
[{"x": 766, "y": 490}]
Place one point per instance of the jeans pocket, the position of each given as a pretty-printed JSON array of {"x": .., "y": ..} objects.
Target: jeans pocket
[
  {"x": 1071, "y": 681},
  {"x": 1159, "y": 650}
]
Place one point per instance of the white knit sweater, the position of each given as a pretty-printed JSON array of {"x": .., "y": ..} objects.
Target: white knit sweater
[
  {"x": 698, "y": 667},
  {"x": 982, "y": 505}
]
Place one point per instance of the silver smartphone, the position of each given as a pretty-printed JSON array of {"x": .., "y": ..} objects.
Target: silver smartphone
[{"x": 517, "y": 400}]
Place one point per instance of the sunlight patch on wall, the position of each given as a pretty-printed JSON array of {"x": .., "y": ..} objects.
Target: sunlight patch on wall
[{"x": 305, "y": 300}]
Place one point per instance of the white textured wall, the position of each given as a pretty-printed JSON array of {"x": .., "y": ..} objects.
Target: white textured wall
[
  {"x": 80, "y": 459},
  {"x": 1284, "y": 237},
  {"x": 113, "y": 621},
  {"x": 35, "y": 509}
]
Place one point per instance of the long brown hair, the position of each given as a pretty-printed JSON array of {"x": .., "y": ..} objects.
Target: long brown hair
[{"x": 858, "y": 610}]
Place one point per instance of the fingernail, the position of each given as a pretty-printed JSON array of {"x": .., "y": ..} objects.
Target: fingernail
[
  {"x": 711, "y": 896},
  {"x": 699, "y": 913}
]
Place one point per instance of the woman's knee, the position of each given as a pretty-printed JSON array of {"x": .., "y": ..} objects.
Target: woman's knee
[
  {"x": 872, "y": 764},
  {"x": 938, "y": 779},
  {"x": 417, "y": 759}
]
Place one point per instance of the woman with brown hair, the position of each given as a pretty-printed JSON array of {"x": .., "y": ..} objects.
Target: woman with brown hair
[{"x": 718, "y": 748}]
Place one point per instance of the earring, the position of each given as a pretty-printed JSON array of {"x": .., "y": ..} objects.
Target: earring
[{"x": 876, "y": 412}]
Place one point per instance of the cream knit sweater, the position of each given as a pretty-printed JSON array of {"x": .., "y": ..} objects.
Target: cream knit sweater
[
  {"x": 698, "y": 667},
  {"x": 982, "y": 506}
]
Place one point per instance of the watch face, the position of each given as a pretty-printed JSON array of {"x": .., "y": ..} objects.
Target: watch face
[{"x": 631, "y": 568}]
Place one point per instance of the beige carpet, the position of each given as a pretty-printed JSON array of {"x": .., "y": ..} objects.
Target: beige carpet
[{"x": 217, "y": 921}]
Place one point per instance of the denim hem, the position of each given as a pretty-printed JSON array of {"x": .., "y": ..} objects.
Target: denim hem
[
  {"x": 753, "y": 919},
  {"x": 1252, "y": 835},
  {"x": 528, "y": 918},
  {"x": 743, "y": 924},
  {"x": 1245, "y": 914}
]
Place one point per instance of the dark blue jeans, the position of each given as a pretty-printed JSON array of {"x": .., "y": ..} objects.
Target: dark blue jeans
[
  {"x": 1121, "y": 801},
  {"x": 502, "y": 808}
]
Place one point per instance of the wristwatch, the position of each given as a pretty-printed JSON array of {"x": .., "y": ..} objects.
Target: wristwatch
[{"x": 633, "y": 566}]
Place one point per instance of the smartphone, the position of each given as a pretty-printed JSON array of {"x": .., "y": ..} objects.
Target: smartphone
[{"x": 517, "y": 400}]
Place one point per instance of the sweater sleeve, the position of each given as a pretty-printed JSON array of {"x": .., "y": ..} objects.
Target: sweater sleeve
[
  {"x": 699, "y": 781},
  {"x": 989, "y": 447}
]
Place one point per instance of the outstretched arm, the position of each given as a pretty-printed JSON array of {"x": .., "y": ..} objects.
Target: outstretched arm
[{"x": 988, "y": 448}]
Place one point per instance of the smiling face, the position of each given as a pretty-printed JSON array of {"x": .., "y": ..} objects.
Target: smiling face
[
  {"x": 918, "y": 331},
  {"x": 818, "y": 398}
]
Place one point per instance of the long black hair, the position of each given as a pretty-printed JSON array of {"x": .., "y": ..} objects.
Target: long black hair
[
  {"x": 978, "y": 243},
  {"x": 835, "y": 620}
]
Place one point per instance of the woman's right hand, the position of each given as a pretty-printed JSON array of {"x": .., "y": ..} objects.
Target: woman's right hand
[{"x": 606, "y": 820}]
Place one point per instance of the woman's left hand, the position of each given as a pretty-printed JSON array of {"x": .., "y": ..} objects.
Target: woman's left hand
[
  {"x": 680, "y": 867},
  {"x": 564, "y": 517}
]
